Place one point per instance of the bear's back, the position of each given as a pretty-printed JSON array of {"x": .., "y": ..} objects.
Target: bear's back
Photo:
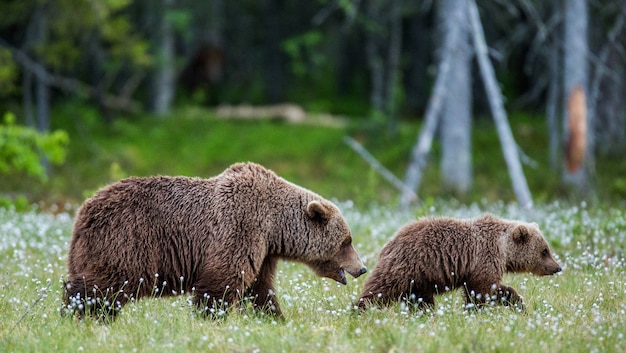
[{"x": 137, "y": 196}]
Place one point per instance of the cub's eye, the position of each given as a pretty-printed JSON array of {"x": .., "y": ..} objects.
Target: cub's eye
[
  {"x": 347, "y": 242},
  {"x": 545, "y": 253}
]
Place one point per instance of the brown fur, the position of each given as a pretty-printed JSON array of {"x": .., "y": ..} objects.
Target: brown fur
[
  {"x": 433, "y": 255},
  {"x": 577, "y": 123},
  {"x": 219, "y": 238}
]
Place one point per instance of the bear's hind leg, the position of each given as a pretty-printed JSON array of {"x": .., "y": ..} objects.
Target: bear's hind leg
[
  {"x": 420, "y": 300},
  {"x": 261, "y": 292},
  {"x": 214, "y": 295},
  {"x": 81, "y": 298}
]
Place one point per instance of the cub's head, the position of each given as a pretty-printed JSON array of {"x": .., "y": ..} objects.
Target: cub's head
[
  {"x": 528, "y": 251},
  {"x": 330, "y": 252}
]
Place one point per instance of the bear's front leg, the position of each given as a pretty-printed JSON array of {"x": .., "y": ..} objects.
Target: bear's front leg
[
  {"x": 507, "y": 296},
  {"x": 261, "y": 291}
]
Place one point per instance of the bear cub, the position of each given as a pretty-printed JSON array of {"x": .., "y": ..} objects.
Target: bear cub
[{"x": 434, "y": 255}]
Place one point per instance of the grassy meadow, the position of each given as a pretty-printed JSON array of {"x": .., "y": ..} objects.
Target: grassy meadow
[{"x": 582, "y": 309}]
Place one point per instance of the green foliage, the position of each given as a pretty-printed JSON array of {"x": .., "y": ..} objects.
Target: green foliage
[
  {"x": 19, "y": 203},
  {"x": 8, "y": 73},
  {"x": 71, "y": 25},
  {"x": 21, "y": 148},
  {"x": 304, "y": 53}
]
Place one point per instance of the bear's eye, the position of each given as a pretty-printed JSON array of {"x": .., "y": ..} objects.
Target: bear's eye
[
  {"x": 347, "y": 242},
  {"x": 545, "y": 253}
]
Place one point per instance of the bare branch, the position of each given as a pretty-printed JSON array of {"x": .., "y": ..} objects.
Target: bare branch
[
  {"x": 384, "y": 172},
  {"x": 70, "y": 85},
  {"x": 507, "y": 141}
]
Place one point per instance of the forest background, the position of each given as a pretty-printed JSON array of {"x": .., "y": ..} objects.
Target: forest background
[{"x": 91, "y": 92}]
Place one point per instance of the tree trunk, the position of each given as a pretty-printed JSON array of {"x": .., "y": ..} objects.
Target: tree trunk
[
  {"x": 610, "y": 115},
  {"x": 375, "y": 60},
  {"x": 418, "y": 48},
  {"x": 393, "y": 63},
  {"x": 456, "y": 124},
  {"x": 608, "y": 87},
  {"x": 575, "y": 74},
  {"x": 552, "y": 106},
  {"x": 383, "y": 50},
  {"x": 421, "y": 149},
  {"x": 164, "y": 75},
  {"x": 42, "y": 91},
  {"x": 509, "y": 147},
  {"x": 27, "y": 98},
  {"x": 97, "y": 59},
  {"x": 275, "y": 60}
]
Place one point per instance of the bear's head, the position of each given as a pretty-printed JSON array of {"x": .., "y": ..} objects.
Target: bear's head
[
  {"x": 330, "y": 252},
  {"x": 528, "y": 251}
]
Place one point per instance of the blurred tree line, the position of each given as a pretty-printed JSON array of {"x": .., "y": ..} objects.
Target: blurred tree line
[{"x": 373, "y": 58}]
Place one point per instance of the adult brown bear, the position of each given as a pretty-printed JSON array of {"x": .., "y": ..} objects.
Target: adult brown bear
[{"x": 219, "y": 238}]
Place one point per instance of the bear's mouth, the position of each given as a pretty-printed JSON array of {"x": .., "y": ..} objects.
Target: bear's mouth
[{"x": 342, "y": 277}]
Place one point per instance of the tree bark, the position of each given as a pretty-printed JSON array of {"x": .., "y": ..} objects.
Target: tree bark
[
  {"x": 575, "y": 74},
  {"x": 552, "y": 106},
  {"x": 375, "y": 60},
  {"x": 509, "y": 147},
  {"x": 608, "y": 86},
  {"x": 456, "y": 124},
  {"x": 383, "y": 50},
  {"x": 610, "y": 115},
  {"x": 42, "y": 91},
  {"x": 393, "y": 62},
  {"x": 164, "y": 75}
]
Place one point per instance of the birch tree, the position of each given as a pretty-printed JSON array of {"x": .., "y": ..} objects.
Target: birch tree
[
  {"x": 164, "y": 75},
  {"x": 456, "y": 124},
  {"x": 509, "y": 147},
  {"x": 450, "y": 49},
  {"x": 421, "y": 149},
  {"x": 383, "y": 49},
  {"x": 575, "y": 63}
]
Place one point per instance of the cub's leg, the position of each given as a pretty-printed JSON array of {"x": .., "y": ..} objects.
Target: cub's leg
[{"x": 496, "y": 294}]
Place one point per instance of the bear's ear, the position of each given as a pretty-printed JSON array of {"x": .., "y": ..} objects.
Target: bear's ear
[
  {"x": 520, "y": 234},
  {"x": 315, "y": 210}
]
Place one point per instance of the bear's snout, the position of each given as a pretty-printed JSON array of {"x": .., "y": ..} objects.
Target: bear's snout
[
  {"x": 548, "y": 270},
  {"x": 342, "y": 274},
  {"x": 357, "y": 273},
  {"x": 553, "y": 267}
]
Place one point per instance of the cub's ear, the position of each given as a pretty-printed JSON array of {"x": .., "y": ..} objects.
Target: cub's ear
[
  {"x": 521, "y": 235},
  {"x": 316, "y": 210}
]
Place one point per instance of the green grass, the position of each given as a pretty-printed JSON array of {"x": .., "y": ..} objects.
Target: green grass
[
  {"x": 194, "y": 142},
  {"x": 583, "y": 309}
]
